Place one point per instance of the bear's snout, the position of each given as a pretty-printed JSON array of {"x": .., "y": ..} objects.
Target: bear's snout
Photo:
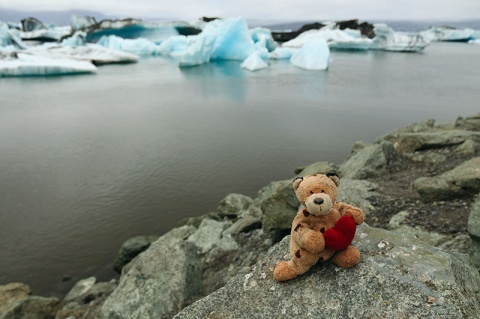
[{"x": 318, "y": 201}]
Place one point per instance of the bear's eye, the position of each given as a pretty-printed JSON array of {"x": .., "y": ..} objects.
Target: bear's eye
[
  {"x": 312, "y": 192},
  {"x": 322, "y": 191}
]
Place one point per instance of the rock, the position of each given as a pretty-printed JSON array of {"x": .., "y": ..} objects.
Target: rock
[
  {"x": 424, "y": 126},
  {"x": 197, "y": 220},
  {"x": 368, "y": 162},
  {"x": 429, "y": 237},
  {"x": 11, "y": 294},
  {"x": 130, "y": 249},
  {"x": 279, "y": 205},
  {"x": 469, "y": 147},
  {"x": 462, "y": 181},
  {"x": 471, "y": 123},
  {"x": 232, "y": 204},
  {"x": 207, "y": 235},
  {"x": 244, "y": 224},
  {"x": 315, "y": 168},
  {"x": 397, "y": 277},
  {"x": 411, "y": 142},
  {"x": 359, "y": 145},
  {"x": 398, "y": 219},
  {"x": 357, "y": 193},
  {"x": 80, "y": 289},
  {"x": 461, "y": 244},
  {"x": 162, "y": 280},
  {"x": 428, "y": 158},
  {"x": 474, "y": 231},
  {"x": 32, "y": 307}
]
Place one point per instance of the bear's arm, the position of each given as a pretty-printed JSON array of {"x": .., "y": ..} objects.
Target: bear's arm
[
  {"x": 307, "y": 238},
  {"x": 349, "y": 210}
]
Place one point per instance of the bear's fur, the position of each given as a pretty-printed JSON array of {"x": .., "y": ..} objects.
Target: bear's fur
[{"x": 319, "y": 212}]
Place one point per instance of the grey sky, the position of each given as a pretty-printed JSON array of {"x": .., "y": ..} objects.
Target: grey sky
[{"x": 266, "y": 9}]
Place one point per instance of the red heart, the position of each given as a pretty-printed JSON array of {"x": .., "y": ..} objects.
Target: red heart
[{"x": 341, "y": 235}]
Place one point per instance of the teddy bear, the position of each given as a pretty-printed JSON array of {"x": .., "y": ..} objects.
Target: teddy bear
[{"x": 322, "y": 229}]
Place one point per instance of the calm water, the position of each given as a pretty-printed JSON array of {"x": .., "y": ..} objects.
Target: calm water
[{"x": 89, "y": 161}]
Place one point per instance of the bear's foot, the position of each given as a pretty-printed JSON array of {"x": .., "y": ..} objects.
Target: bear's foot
[
  {"x": 283, "y": 271},
  {"x": 346, "y": 258}
]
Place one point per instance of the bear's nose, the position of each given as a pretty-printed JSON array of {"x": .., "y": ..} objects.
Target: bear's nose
[{"x": 318, "y": 201}]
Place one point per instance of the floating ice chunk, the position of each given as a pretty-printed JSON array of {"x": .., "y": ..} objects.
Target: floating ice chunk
[
  {"x": 54, "y": 34},
  {"x": 314, "y": 55},
  {"x": 388, "y": 40},
  {"x": 232, "y": 42},
  {"x": 94, "y": 53},
  {"x": 254, "y": 62},
  {"x": 476, "y": 41},
  {"x": 24, "y": 64},
  {"x": 175, "y": 45},
  {"x": 9, "y": 38},
  {"x": 448, "y": 34},
  {"x": 282, "y": 53},
  {"x": 81, "y": 22},
  {"x": 353, "y": 33},
  {"x": 138, "y": 46},
  {"x": 77, "y": 39},
  {"x": 336, "y": 39},
  {"x": 262, "y": 37},
  {"x": 220, "y": 40}
]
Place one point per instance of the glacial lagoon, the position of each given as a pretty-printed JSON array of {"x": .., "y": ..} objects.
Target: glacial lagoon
[{"x": 89, "y": 161}]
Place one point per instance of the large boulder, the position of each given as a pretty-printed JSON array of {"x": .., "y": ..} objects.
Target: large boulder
[
  {"x": 161, "y": 281},
  {"x": 16, "y": 303},
  {"x": 130, "y": 249},
  {"x": 369, "y": 161},
  {"x": 397, "y": 277},
  {"x": 462, "y": 181},
  {"x": 233, "y": 204},
  {"x": 474, "y": 232}
]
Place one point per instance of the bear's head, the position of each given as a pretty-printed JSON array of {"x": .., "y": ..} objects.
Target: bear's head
[{"x": 318, "y": 192}]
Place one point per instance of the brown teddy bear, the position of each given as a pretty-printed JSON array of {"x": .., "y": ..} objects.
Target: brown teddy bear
[{"x": 322, "y": 229}]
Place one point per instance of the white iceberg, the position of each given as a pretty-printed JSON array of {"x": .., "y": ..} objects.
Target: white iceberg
[
  {"x": 79, "y": 38},
  {"x": 336, "y": 39},
  {"x": 220, "y": 40},
  {"x": 281, "y": 53},
  {"x": 137, "y": 46},
  {"x": 476, "y": 41},
  {"x": 387, "y": 39},
  {"x": 448, "y": 34},
  {"x": 262, "y": 38},
  {"x": 78, "y": 22},
  {"x": 93, "y": 53},
  {"x": 24, "y": 64},
  {"x": 175, "y": 45},
  {"x": 254, "y": 62},
  {"x": 314, "y": 55},
  {"x": 9, "y": 38},
  {"x": 54, "y": 34}
]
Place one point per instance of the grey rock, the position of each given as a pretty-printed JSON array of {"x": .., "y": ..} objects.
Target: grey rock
[
  {"x": 461, "y": 244},
  {"x": 357, "y": 193},
  {"x": 279, "y": 205},
  {"x": 412, "y": 142},
  {"x": 473, "y": 224},
  {"x": 358, "y": 146},
  {"x": 207, "y": 235},
  {"x": 429, "y": 237},
  {"x": 10, "y": 294},
  {"x": 79, "y": 290},
  {"x": 398, "y": 219},
  {"x": 475, "y": 252},
  {"x": 469, "y": 147},
  {"x": 462, "y": 181},
  {"x": 397, "y": 277},
  {"x": 368, "y": 162},
  {"x": 32, "y": 307},
  {"x": 471, "y": 123},
  {"x": 162, "y": 280},
  {"x": 424, "y": 126},
  {"x": 244, "y": 224},
  {"x": 232, "y": 204},
  {"x": 428, "y": 158},
  {"x": 130, "y": 249},
  {"x": 197, "y": 220},
  {"x": 318, "y": 167}
]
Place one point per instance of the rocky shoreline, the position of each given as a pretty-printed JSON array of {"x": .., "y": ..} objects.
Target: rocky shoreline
[{"x": 418, "y": 187}]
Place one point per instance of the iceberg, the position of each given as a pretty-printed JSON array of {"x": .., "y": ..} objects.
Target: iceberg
[
  {"x": 77, "y": 39},
  {"x": 81, "y": 22},
  {"x": 389, "y": 40},
  {"x": 314, "y": 55},
  {"x": 220, "y": 40},
  {"x": 336, "y": 39},
  {"x": 449, "y": 34},
  {"x": 8, "y": 38},
  {"x": 175, "y": 45},
  {"x": 262, "y": 38},
  {"x": 254, "y": 62},
  {"x": 281, "y": 53},
  {"x": 93, "y": 53},
  {"x": 24, "y": 64},
  {"x": 136, "y": 46},
  {"x": 476, "y": 41}
]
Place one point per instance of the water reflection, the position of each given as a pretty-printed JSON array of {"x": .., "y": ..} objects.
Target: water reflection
[{"x": 220, "y": 78}]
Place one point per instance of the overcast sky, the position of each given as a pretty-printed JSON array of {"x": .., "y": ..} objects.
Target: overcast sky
[{"x": 264, "y": 9}]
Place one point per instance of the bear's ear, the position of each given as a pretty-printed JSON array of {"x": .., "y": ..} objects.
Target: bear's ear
[
  {"x": 334, "y": 177},
  {"x": 296, "y": 182}
]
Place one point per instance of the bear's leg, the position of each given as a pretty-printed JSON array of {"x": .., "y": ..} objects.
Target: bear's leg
[
  {"x": 300, "y": 263},
  {"x": 346, "y": 258}
]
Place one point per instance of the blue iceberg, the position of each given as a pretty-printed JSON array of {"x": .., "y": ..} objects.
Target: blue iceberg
[
  {"x": 282, "y": 53},
  {"x": 314, "y": 55},
  {"x": 136, "y": 46}
]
